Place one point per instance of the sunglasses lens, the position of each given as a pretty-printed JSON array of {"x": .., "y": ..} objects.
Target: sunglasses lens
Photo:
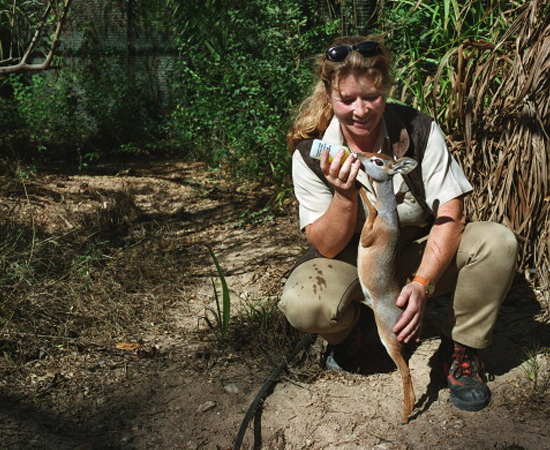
[
  {"x": 368, "y": 48},
  {"x": 338, "y": 53}
]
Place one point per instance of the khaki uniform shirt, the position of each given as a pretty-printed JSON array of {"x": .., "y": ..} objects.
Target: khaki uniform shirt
[{"x": 443, "y": 180}]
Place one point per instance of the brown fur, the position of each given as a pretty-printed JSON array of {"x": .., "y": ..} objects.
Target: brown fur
[{"x": 376, "y": 269}]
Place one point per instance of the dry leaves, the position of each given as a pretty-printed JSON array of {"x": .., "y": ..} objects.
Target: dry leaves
[{"x": 500, "y": 104}]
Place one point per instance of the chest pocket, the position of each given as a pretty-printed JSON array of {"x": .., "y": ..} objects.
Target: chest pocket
[{"x": 410, "y": 211}]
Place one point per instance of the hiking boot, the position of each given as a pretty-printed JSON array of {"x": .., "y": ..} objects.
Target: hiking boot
[
  {"x": 343, "y": 356},
  {"x": 466, "y": 379}
]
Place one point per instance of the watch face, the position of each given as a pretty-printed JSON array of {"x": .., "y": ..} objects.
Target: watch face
[{"x": 430, "y": 288}]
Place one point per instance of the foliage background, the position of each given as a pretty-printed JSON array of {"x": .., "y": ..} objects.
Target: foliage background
[{"x": 218, "y": 81}]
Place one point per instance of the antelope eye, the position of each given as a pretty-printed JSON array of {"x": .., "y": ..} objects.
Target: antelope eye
[{"x": 378, "y": 162}]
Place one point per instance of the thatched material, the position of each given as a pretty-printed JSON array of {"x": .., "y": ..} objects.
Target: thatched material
[{"x": 500, "y": 108}]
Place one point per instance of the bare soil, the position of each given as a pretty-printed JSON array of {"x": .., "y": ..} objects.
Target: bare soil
[{"x": 142, "y": 367}]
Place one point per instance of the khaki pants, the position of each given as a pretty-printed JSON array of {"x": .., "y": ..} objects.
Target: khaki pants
[{"x": 319, "y": 294}]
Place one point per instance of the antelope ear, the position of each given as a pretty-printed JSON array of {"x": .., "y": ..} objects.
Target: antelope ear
[{"x": 404, "y": 166}]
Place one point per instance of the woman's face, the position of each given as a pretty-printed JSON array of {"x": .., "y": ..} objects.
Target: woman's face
[{"x": 359, "y": 106}]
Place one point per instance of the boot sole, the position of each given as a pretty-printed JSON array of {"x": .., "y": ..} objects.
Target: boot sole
[{"x": 469, "y": 406}]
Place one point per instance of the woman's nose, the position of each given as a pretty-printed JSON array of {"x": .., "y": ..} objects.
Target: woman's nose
[{"x": 361, "y": 107}]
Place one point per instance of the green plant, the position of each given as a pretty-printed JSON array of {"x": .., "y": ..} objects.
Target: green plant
[
  {"x": 222, "y": 313},
  {"x": 531, "y": 367},
  {"x": 86, "y": 158},
  {"x": 93, "y": 253},
  {"x": 248, "y": 217},
  {"x": 422, "y": 33},
  {"x": 241, "y": 80},
  {"x": 101, "y": 95},
  {"x": 538, "y": 376},
  {"x": 82, "y": 110}
]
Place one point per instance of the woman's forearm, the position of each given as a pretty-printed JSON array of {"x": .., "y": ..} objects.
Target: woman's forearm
[
  {"x": 441, "y": 247},
  {"x": 443, "y": 240},
  {"x": 332, "y": 232}
]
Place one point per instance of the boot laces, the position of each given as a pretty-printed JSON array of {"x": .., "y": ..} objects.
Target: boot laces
[{"x": 466, "y": 361}]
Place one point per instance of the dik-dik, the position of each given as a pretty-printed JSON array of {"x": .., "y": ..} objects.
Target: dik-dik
[{"x": 377, "y": 258}]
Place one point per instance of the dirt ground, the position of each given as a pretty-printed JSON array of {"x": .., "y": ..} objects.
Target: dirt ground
[{"x": 168, "y": 383}]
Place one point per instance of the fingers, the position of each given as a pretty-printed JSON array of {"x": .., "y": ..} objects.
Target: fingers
[
  {"x": 341, "y": 175},
  {"x": 412, "y": 331},
  {"x": 409, "y": 326}
]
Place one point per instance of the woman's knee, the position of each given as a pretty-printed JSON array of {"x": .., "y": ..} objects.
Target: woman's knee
[
  {"x": 303, "y": 314},
  {"x": 492, "y": 240},
  {"x": 317, "y": 293}
]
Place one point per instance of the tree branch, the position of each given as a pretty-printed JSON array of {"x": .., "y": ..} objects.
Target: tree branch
[{"x": 23, "y": 64}]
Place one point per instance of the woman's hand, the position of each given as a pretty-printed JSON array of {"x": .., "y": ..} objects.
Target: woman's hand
[
  {"x": 413, "y": 299},
  {"x": 441, "y": 248},
  {"x": 331, "y": 232},
  {"x": 341, "y": 175}
]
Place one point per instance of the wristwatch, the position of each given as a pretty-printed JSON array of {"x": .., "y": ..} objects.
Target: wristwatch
[{"x": 428, "y": 285}]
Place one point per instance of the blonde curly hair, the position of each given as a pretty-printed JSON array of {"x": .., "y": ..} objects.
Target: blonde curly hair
[{"x": 315, "y": 112}]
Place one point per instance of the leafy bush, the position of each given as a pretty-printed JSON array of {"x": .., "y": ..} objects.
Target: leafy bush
[
  {"x": 82, "y": 109},
  {"x": 240, "y": 82},
  {"x": 10, "y": 134},
  {"x": 243, "y": 73}
]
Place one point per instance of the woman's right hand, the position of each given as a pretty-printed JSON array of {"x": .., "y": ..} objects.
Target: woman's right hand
[
  {"x": 341, "y": 175},
  {"x": 331, "y": 232}
]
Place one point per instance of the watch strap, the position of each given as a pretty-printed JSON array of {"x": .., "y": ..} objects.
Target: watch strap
[{"x": 428, "y": 285}]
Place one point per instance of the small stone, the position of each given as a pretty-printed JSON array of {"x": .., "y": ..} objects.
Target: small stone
[
  {"x": 231, "y": 389},
  {"x": 458, "y": 425},
  {"x": 207, "y": 406}
]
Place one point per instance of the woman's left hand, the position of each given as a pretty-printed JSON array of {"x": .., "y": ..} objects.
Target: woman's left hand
[
  {"x": 413, "y": 299},
  {"x": 440, "y": 249}
]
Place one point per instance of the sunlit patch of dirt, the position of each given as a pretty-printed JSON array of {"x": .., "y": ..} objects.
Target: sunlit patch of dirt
[{"x": 106, "y": 344}]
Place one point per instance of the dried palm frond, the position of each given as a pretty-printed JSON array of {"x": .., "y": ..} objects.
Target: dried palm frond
[{"x": 499, "y": 119}]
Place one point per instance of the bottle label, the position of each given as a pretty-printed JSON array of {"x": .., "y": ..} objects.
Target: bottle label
[{"x": 319, "y": 146}]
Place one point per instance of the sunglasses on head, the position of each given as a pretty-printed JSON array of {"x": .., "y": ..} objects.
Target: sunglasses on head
[{"x": 340, "y": 52}]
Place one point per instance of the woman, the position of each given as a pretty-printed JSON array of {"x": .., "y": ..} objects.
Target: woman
[{"x": 438, "y": 253}]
